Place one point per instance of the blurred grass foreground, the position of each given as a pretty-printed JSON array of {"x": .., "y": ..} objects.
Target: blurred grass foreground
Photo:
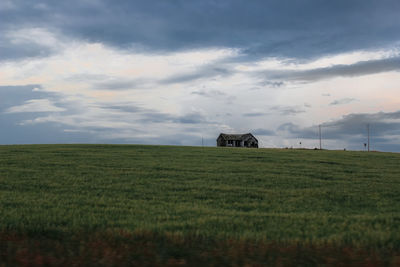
[{"x": 116, "y": 205}]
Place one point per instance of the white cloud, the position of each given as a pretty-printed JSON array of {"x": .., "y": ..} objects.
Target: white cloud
[
  {"x": 39, "y": 36},
  {"x": 35, "y": 105},
  {"x": 274, "y": 63}
]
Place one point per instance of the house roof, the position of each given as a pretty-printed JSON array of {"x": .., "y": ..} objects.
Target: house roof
[{"x": 237, "y": 137}]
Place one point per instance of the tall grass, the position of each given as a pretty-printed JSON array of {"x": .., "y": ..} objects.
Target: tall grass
[{"x": 324, "y": 198}]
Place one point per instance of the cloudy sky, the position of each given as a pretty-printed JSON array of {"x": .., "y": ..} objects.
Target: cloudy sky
[{"x": 176, "y": 71}]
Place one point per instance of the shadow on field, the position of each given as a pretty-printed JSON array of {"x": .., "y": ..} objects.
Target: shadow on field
[{"x": 113, "y": 248}]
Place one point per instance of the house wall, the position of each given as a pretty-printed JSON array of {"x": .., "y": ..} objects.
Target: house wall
[
  {"x": 251, "y": 142},
  {"x": 221, "y": 142}
]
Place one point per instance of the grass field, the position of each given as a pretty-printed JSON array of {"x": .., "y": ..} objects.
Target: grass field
[{"x": 182, "y": 205}]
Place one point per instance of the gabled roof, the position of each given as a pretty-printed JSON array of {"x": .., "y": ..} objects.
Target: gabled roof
[{"x": 236, "y": 137}]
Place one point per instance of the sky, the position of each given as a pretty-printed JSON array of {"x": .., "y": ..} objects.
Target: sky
[{"x": 176, "y": 72}]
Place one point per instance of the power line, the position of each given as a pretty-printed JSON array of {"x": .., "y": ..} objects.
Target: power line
[
  {"x": 320, "y": 138},
  {"x": 368, "y": 135}
]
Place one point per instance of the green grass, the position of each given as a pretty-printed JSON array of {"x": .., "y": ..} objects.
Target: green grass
[{"x": 266, "y": 195}]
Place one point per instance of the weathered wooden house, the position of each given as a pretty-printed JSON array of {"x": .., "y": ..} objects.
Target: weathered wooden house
[{"x": 237, "y": 140}]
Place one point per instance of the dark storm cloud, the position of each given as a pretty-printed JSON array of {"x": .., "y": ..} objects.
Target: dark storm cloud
[
  {"x": 352, "y": 128},
  {"x": 132, "y": 112},
  {"x": 159, "y": 117},
  {"x": 17, "y": 95},
  {"x": 149, "y": 116},
  {"x": 352, "y": 124},
  {"x": 293, "y": 130},
  {"x": 12, "y": 51},
  {"x": 191, "y": 118},
  {"x": 287, "y": 110},
  {"x": 300, "y": 29},
  {"x": 44, "y": 133},
  {"x": 178, "y": 139},
  {"x": 107, "y": 82},
  {"x": 381, "y": 124},
  {"x": 264, "y": 132},
  {"x": 342, "y": 101},
  {"x": 123, "y": 108},
  {"x": 14, "y": 133},
  {"x": 353, "y": 70},
  {"x": 254, "y": 114},
  {"x": 210, "y": 93},
  {"x": 85, "y": 77},
  {"x": 206, "y": 72},
  {"x": 281, "y": 110},
  {"x": 272, "y": 84},
  {"x": 118, "y": 85},
  {"x": 82, "y": 123}
]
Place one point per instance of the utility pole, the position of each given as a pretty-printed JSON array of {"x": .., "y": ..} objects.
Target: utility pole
[
  {"x": 320, "y": 138},
  {"x": 368, "y": 135}
]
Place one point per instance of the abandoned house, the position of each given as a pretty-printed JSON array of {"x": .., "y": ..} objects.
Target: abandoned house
[{"x": 237, "y": 140}]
